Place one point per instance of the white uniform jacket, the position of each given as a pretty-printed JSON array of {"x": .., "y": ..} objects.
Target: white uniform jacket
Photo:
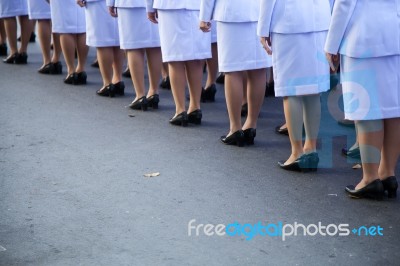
[
  {"x": 332, "y": 2},
  {"x": 126, "y": 3},
  {"x": 230, "y": 10},
  {"x": 173, "y": 4},
  {"x": 293, "y": 16},
  {"x": 365, "y": 28}
]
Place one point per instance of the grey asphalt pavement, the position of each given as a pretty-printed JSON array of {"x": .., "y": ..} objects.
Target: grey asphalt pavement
[{"x": 73, "y": 190}]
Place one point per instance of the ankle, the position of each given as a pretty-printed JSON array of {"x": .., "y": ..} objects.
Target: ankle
[
  {"x": 307, "y": 151},
  {"x": 296, "y": 154},
  {"x": 385, "y": 174}
]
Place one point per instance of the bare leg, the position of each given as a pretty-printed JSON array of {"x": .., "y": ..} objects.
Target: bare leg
[
  {"x": 391, "y": 148},
  {"x": 244, "y": 88},
  {"x": 164, "y": 70},
  {"x": 68, "y": 45},
  {"x": 370, "y": 138},
  {"x": 270, "y": 71},
  {"x": 212, "y": 66},
  {"x": 11, "y": 31},
  {"x": 194, "y": 74},
  {"x": 255, "y": 95},
  {"x": 105, "y": 57},
  {"x": 3, "y": 35},
  {"x": 234, "y": 96},
  {"x": 117, "y": 64},
  {"x": 293, "y": 107},
  {"x": 56, "y": 48},
  {"x": 154, "y": 65},
  {"x": 44, "y": 34},
  {"x": 82, "y": 50},
  {"x": 136, "y": 67},
  {"x": 178, "y": 83},
  {"x": 26, "y": 31},
  {"x": 312, "y": 119}
]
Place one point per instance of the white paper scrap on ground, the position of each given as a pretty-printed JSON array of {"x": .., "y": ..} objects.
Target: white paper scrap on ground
[{"x": 152, "y": 175}]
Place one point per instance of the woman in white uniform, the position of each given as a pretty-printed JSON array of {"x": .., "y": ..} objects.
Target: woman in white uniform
[
  {"x": 102, "y": 33},
  {"x": 68, "y": 19},
  {"x": 370, "y": 61},
  {"x": 184, "y": 47},
  {"x": 40, "y": 11},
  {"x": 239, "y": 54},
  {"x": 297, "y": 32},
  {"x": 139, "y": 38},
  {"x": 9, "y": 10}
]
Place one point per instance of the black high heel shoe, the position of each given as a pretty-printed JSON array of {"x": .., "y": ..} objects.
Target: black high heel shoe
[
  {"x": 3, "y": 49},
  {"x": 153, "y": 101},
  {"x": 126, "y": 73},
  {"x": 195, "y": 117},
  {"x": 280, "y": 130},
  {"x": 165, "y": 83},
  {"x": 46, "y": 69},
  {"x": 21, "y": 59},
  {"x": 390, "y": 185},
  {"x": 236, "y": 138},
  {"x": 352, "y": 153},
  {"x": 208, "y": 95},
  {"x": 180, "y": 120},
  {"x": 10, "y": 59},
  {"x": 105, "y": 91},
  {"x": 95, "y": 64},
  {"x": 221, "y": 78},
  {"x": 373, "y": 190},
  {"x": 249, "y": 135},
  {"x": 81, "y": 78},
  {"x": 56, "y": 69},
  {"x": 139, "y": 104},
  {"x": 244, "y": 110},
  {"x": 270, "y": 89},
  {"x": 71, "y": 79},
  {"x": 119, "y": 88},
  {"x": 305, "y": 163},
  {"x": 294, "y": 166},
  {"x": 32, "y": 38}
]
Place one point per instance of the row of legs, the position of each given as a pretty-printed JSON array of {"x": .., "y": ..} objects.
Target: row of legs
[
  {"x": 378, "y": 139},
  {"x": 8, "y": 31}
]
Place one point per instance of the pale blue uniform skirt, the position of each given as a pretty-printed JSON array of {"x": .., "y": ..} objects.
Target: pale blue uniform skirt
[
  {"x": 67, "y": 17},
  {"x": 299, "y": 62},
  {"x": 180, "y": 36},
  {"x": 371, "y": 87},
  {"x": 214, "y": 37},
  {"x": 39, "y": 9},
  {"x": 13, "y": 8},
  {"x": 135, "y": 30},
  {"x": 239, "y": 47},
  {"x": 101, "y": 27}
]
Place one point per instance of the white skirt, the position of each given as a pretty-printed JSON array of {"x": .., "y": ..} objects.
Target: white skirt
[
  {"x": 135, "y": 30},
  {"x": 181, "y": 38},
  {"x": 214, "y": 37},
  {"x": 371, "y": 87},
  {"x": 67, "y": 17},
  {"x": 300, "y": 66},
  {"x": 239, "y": 48},
  {"x": 39, "y": 9},
  {"x": 13, "y": 8},
  {"x": 101, "y": 27}
]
